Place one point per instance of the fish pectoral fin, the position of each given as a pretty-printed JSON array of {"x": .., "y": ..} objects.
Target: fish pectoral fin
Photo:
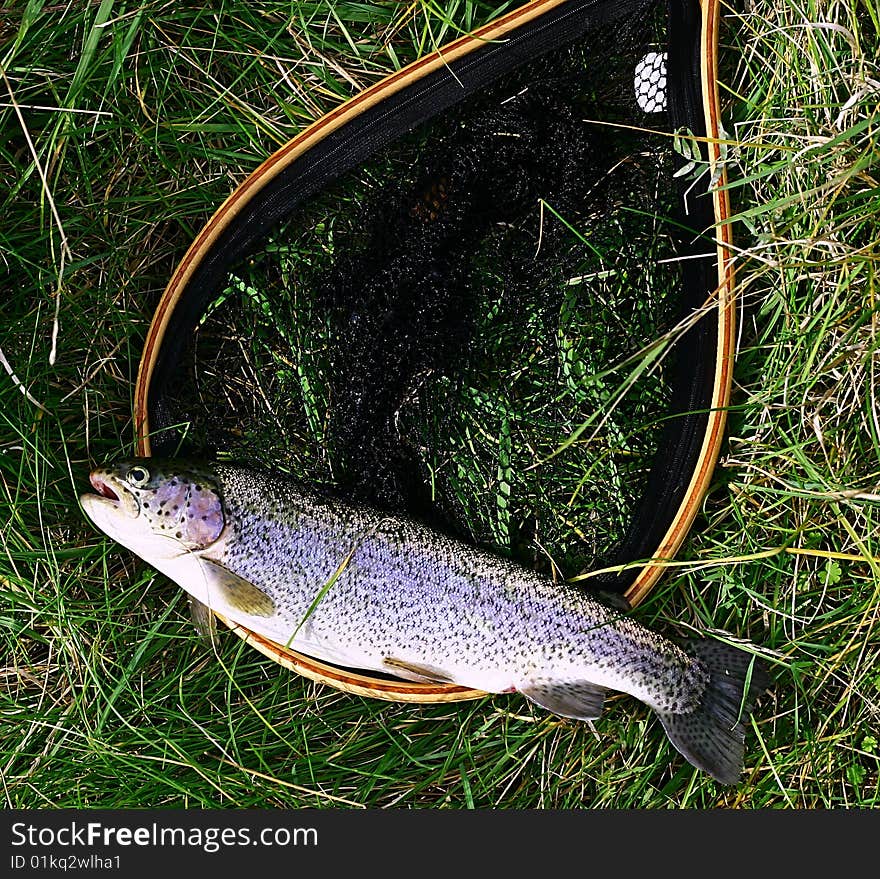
[
  {"x": 580, "y": 700},
  {"x": 204, "y": 621},
  {"x": 412, "y": 671},
  {"x": 238, "y": 593}
]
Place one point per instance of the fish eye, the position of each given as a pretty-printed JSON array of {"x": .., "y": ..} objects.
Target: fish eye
[{"x": 138, "y": 476}]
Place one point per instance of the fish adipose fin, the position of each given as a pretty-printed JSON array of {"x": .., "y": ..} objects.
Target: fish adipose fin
[
  {"x": 579, "y": 700},
  {"x": 236, "y": 592},
  {"x": 712, "y": 736},
  {"x": 615, "y": 600},
  {"x": 414, "y": 672}
]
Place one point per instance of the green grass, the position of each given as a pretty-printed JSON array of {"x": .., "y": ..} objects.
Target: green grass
[{"x": 138, "y": 120}]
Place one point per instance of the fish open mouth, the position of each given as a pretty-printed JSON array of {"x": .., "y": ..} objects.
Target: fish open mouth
[{"x": 102, "y": 487}]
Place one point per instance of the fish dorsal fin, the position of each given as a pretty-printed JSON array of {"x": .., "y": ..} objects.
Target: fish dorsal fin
[
  {"x": 237, "y": 593},
  {"x": 415, "y": 671},
  {"x": 580, "y": 700}
]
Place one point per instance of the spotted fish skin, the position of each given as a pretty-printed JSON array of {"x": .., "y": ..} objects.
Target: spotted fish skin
[{"x": 353, "y": 586}]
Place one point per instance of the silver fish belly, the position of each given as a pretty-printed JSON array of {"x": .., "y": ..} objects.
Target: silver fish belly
[{"x": 358, "y": 588}]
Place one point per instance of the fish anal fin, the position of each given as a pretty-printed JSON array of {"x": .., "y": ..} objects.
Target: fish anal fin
[
  {"x": 236, "y": 592},
  {"x": 579, "y": 700},
  {"x": 413, "y": 671}
]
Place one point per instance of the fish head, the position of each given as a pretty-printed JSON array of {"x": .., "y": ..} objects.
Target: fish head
[{"x": 157, "y": 508}]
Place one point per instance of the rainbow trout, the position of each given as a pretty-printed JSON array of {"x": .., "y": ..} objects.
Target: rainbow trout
[{"x": 362, "y": 589}]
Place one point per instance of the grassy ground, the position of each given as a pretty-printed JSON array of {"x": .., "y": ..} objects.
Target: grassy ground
[{"x": 108, "y": 700}]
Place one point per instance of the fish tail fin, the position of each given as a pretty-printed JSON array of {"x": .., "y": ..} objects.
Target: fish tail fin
[{"x": 712, "y": 736}]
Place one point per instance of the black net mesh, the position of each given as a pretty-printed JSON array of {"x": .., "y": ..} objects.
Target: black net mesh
[{"x": 465, "y": 327}]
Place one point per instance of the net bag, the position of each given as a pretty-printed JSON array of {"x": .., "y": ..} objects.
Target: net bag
[{"x": 493, "y": 292}]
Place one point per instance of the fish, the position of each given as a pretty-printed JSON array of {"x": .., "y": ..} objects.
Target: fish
[{"x": 357, "y": 587}]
